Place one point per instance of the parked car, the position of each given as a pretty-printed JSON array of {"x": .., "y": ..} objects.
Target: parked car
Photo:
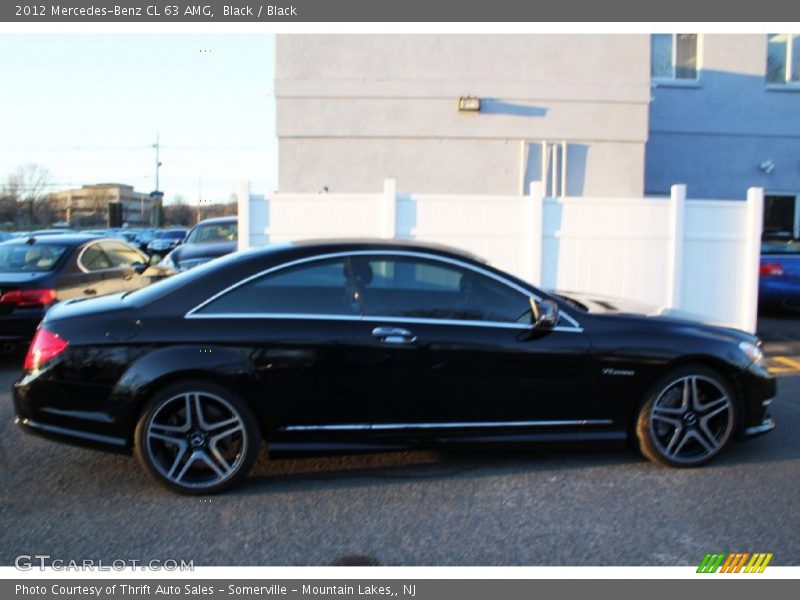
[
  {"x": 166, "y": 241},
  {"x": 35, "y": 273},
  {"x": 206, "y": 241},
  {"x": 330, "y": 346},
  {"x": 779, "y": 274},
  {"x": 144, "y": 237}
]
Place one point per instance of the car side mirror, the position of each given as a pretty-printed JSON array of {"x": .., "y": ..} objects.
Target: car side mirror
[
  {"x": 139, "y": 267},
  {"x": 545, "y": 313}
]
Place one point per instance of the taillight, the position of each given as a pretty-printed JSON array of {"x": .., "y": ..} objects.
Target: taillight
[
  {"x": 45, "y": 346},
  {"x": 29, "y": 298},
  {"x": 771, "y": 270}
]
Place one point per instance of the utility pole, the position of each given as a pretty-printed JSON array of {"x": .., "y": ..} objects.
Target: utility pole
[
  {"x": 199, "y": 195},
  {"x": 153, "y": 194}
]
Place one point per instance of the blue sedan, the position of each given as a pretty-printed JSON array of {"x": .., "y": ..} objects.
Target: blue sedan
[{"x": 779, "y": 274}]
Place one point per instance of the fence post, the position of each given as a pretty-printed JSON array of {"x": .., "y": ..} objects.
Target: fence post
[
  {"x": 534, "y": 230},
  {"x": 243, "y": 215},
  {"x": 754, "y": 227},
  {"x": 677, "y": 211},
  {"x": 388, "y": 226}
]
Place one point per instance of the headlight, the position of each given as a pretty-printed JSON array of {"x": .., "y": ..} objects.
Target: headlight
[{"x": 754, "y": 353}]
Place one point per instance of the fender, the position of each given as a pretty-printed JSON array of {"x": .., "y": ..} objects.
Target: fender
[{"x": 147, "y": 372}]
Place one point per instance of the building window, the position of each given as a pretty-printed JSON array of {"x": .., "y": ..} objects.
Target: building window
[
  {"x": 783, "y": 58},
  {"x": 673, "y": 56}
]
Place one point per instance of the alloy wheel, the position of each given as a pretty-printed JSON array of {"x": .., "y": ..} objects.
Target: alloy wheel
[
  {"x": 196, "y": 440},
  {"x": 691, "y": 419}
]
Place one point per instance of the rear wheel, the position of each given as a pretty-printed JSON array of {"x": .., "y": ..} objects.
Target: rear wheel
[
  {"x": 687, "y": 418},
  {"x": 197, "y": 437}
]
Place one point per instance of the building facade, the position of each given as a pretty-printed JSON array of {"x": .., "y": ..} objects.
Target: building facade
[
  {"x": 354, "y": 110},
  {"x": 588, "y": 115},
  {"x": 725, "y": 116},
  {"x": 88, "y": 205}
]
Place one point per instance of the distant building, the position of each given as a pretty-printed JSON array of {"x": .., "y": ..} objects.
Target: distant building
[{"x": 88, "y": 205}]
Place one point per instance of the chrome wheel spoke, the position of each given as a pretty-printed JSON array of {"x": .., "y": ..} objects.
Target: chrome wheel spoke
[
  {"x": 176, "y": 440},
  {"x": 717, "y": 405},
  {"x": 720, "y": 409},
  {"x": 190, "y": 461},
  {"x": 212, "y": 427},
  {"x": 686, "y": 397},
  {"x": 709, "y": 443},
  {"x": 676, "y": 441},
  {"x": 178, "y": 458},
  {"x": 217, "y": 463}
]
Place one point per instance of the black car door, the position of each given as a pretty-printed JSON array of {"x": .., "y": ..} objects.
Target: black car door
[
  {"x": 296, "y": 325},
  {"x": 444, "y": 345}
]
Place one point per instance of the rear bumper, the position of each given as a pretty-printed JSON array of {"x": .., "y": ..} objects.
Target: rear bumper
[{"x": 778, "y": 291}]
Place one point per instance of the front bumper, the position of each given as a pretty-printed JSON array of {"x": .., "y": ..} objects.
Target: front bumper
[{"x": 767, "y": 425}]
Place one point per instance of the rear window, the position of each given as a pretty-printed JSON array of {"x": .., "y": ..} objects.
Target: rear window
[
  {"x": 173, "y": 234},
  {"x": 790, "y": 247},
  {"x": 30, "y": 258}
]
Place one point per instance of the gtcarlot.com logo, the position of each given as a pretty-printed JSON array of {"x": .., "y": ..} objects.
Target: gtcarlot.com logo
[{"x": 735, "y": 562}]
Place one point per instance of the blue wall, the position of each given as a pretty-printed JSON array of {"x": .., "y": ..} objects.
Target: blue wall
[{"x": 713, "y": 136}]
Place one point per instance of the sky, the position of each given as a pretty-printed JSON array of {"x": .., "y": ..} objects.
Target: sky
[{"x": 88, "y": 108}]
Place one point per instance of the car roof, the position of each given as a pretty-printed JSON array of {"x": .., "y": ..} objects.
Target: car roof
[
  {"x": 68, "y": 239},
  {"x": 333, "y": 245},
  {"x": 217, "y": 220}
]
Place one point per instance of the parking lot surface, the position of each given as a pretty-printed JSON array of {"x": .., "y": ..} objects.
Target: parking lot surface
[{"x": 573, "y": 506}]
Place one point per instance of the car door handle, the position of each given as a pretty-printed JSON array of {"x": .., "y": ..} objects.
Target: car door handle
[
  {"x": 393, "y": 335},
  {"x": 90, "y": 292}
]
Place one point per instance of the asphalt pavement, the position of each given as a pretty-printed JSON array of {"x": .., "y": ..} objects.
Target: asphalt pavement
[{"x": 570, "y": 506}]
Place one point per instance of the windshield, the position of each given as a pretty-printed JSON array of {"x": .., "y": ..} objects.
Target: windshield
[
  {"x": 16, "y": 258},
  {"x": 213, "y": 232},
  {"x": 776, "y": 247}
]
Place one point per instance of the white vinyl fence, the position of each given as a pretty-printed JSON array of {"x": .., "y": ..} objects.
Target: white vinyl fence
[{"x": 699, "y": 256}]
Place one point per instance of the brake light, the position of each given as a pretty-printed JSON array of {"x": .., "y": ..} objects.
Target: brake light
[
  {"x": 45, "y": 346},
  {"x": 29, "y": 298},
  {"x": 771, "y": 270}
]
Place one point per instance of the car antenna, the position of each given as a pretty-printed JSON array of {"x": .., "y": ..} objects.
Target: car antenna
[{"x": 31, "y": 241}]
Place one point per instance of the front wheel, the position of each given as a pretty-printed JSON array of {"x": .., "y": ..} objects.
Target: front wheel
[
  {"x": 197, "y": 437},
  {"x": 687, "y": 418}
]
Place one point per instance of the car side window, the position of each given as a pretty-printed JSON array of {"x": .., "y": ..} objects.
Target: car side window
[
  {"x": 120, "y": 255},
  {"x": 94, "y": 259},
  {"x": 319, "y": 288},
  {"x": 400, "y": 286}
]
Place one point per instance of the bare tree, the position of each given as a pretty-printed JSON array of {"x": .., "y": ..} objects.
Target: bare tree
[{"x": 27, "y": 185}]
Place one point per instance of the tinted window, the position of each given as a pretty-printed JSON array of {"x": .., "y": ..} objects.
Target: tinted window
[
  {"x": 25, "y": 257},
  {"x": 173, "y": 234},
  {"x": 213, "y": 232},
  {"x": 319, "y": 288},
  {"x": 94, "y": 259},
  {"x": 120, "y": 255},
  {"x": 420, "y": 288}
]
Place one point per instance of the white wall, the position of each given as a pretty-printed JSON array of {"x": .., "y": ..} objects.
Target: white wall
[
  {"x": 700, "y": 256},
  {"x": 353, "y": 110}
]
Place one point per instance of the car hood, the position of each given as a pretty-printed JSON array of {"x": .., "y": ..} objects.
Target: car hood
[
  {"x": 210, "y": 250},
  {"x": 628, "y": 309}
]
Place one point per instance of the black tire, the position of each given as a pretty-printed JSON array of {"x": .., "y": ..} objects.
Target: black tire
[
  {"x": 208, "y": 451},
  {"x": 673, "y": 434}
]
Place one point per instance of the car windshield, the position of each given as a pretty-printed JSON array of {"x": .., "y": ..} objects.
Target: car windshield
[
  {"x": 27, "y": 258},
  {"x": 779, "y": 247},
  {"x": 213, "y": 232}
]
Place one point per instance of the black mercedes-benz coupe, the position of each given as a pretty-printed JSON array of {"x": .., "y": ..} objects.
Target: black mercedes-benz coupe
[{"x": 341, "y": 346}]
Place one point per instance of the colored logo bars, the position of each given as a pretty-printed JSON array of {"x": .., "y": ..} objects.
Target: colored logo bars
[{"x": 735, "y": 562}]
